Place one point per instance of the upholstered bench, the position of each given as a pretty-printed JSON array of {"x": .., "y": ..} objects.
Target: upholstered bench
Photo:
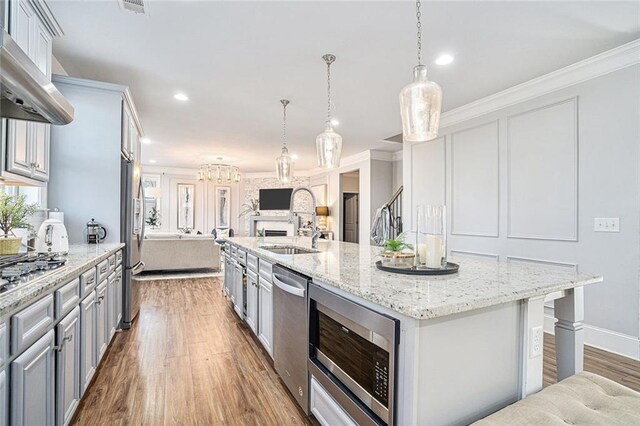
[{"x": 583, "y": 399}]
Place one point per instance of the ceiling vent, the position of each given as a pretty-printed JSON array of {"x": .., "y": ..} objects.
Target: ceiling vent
[{"x": 136, "y": 6}]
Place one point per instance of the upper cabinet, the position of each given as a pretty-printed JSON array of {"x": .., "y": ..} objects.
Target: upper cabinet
[
  {"x": 25, "y": 145},
  {"x": 130, "y": 130}
]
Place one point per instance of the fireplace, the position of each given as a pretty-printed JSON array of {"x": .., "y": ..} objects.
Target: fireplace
[{"x": 275, "y": 233}]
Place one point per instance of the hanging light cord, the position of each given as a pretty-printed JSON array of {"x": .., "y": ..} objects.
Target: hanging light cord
[
  {"x": 328, "y": 91},
  {"x": 419, "y": 32},
  {"x": 284, "y": 125}
]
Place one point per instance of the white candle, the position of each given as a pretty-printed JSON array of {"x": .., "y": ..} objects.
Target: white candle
[{"x": 431, "y": 251}]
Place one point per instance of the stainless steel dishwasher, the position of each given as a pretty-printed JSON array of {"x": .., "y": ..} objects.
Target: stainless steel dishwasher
[{"x": 290, "y": 332}]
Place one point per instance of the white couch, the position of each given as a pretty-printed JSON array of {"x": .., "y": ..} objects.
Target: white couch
[{"x": 174, "y": 252}]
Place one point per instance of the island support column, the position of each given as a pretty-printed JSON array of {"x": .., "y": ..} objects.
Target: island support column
[{"x": 569, "y": 330}]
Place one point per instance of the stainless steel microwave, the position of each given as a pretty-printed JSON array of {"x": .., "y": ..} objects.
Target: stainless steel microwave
[{"x": 352, "y": 353}]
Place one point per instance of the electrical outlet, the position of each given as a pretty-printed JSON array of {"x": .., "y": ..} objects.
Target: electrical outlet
[
  {"x": 535, "y": 342},
  {"x": 606, "y": 224}
]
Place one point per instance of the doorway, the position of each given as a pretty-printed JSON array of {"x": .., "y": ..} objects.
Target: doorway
[{"x": 350, "y": 183}]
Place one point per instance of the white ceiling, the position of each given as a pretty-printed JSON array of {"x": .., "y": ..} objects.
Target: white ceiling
[{"x": 236, "y": 60}]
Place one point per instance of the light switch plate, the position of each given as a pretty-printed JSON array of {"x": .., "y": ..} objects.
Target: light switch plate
[
  {"x": 536, "y": 342},
  {"x": 606, "y": 224}
]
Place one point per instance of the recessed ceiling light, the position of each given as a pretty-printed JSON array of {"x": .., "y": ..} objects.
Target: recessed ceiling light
[
  {"x": 152, "y": 161},
  {"x": 181, "y": 97},
  {"x": 335, "y": 122},
  {"x": 444, "y": 59},
  {"x": 145, "y": 141},
  {"x": 294, "y": 156}
]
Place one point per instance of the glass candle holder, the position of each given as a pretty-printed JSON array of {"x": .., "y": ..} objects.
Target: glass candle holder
[{"x": 431, "y": 237}]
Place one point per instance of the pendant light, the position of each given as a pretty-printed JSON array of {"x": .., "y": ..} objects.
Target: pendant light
[
  {"x": 284, "y": 163},
  {"x": 420, "y": 101},
  {"x": 329, "y": 143}
]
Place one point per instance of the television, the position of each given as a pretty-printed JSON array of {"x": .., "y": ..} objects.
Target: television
[{"x": 275, "y": 199}]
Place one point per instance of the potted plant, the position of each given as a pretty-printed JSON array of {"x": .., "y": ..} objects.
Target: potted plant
[
  {"x": 154, "y": 218},
  {"x": 250, "y": 208},
  {"x": 14, "y": 210},
  {"x": 397, "y": 252}
]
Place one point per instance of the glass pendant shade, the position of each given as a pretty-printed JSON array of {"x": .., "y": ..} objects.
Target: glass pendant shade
[
  {"x": 420, "y": 106},
  {"x": 329, "y": 148},
  {"x": 284, "y": 166}
]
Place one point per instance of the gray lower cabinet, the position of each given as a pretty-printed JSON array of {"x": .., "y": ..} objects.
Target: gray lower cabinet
[
  {"x": 88, "y": 354},
  {"x": 112, "y": 315},
  {"x": 252, "y": 301},
  {"x": 3, "y": 397},
  {"x": 119, "y": 292},
  {"x": 102, "y": 320},
  {"x": 32, "y": 384},
  {"x": 228, "y": 277},
  {"x": 68, "y": 366},
  {"x": 265, "y": 309},
  {"x": 238, "y": 291}
]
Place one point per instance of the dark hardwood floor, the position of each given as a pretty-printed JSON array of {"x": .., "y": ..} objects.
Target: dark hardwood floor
[{"x": 188, "y": 360}]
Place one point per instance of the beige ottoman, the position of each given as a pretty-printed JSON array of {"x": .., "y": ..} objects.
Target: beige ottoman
[{"x": 583, "y": 399}]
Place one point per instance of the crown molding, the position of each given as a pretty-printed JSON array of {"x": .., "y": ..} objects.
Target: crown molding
[
  {"x": 105, "y": 87},
  {"x": 47, "y": 17},
  {"x": 604, "y": 63}
]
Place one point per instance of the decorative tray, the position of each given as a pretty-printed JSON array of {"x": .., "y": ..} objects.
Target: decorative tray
[{"x": 451, "y": 268}]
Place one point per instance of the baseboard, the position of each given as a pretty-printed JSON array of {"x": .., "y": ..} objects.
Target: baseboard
[{"x": 610, "y": 341}]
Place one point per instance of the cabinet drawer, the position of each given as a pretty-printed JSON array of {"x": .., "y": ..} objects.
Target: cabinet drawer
[
  {"x": 3, "y": 345},
  {"x": 234, "y": 252},
  {"x": 87, "y": 282},
  {"x": 252, "y": 262},
  {"x": 31, "y": 323},
  {"x": 326, "y": 409},
  {"x": 242, "y": 257},
  {"x": 103, "y": 270},
  {"x": 265, "y": 269},
  {"x": 66, "y": 297},
  {"x": 119, "y": 258},
  {"x": 112, "y": 262}
]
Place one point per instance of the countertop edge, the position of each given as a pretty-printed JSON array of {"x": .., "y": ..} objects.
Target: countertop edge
[
  {"x": 33, "y": 291},
  {"x": 425, "y": 314}
]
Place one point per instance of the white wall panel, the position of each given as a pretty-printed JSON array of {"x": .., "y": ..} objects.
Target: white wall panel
[
  {"x": 542, "y": 169},
  {"x": 475, "y": 194},
  {"x": 472, "y": 254},
  {"x": 429, "y": 179}
]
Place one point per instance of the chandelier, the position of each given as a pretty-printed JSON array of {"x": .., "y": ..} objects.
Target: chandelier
[
  {"x": 421, "y": 100},
  {"x": 219, "y": 173}
]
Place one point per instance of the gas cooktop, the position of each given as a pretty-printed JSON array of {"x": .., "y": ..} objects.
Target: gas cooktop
[{"x": 19, "y": 269}]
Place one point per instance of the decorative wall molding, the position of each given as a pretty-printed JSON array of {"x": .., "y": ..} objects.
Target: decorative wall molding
[
  {"x": 574, "y": 129},
  {"x": 567, "y": 265},
  {"x": 451, "y": 138},
  {"x": 611, "y": 341},
  {"x": 612, "y": 60},
  {"x": 474, "y": 254}
]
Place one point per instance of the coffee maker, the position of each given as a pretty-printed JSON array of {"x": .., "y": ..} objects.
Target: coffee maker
[{"x": 96, "y": 233}]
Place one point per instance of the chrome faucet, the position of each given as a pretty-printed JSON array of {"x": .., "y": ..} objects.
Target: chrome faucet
[{"x": 315, "y": 233}]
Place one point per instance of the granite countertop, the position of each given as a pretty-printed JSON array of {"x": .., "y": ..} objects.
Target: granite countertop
[
  {"x": 80, "y": 258},
  {"x": 479, "y": 283}
]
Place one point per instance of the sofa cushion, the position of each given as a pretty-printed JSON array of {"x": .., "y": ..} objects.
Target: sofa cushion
[
  {"x": 583, "y": 399},
  {"x": 172, "y": 254}
]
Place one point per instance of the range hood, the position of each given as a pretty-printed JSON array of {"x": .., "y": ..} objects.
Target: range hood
[{"x": 26, "y": 93}]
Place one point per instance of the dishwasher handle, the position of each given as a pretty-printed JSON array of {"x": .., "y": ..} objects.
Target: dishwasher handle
[{"x": 279, "y": 281}]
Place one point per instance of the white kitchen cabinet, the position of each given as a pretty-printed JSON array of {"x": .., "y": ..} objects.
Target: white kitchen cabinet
[
  {"x": 228, "y": 277},
  {"x": 252, "y": 301},
  {"x": 119, "y": 292},
  {"x": 112, "y": 315},
  {"x": 68, "y": 341},
  {"x": 3, "y": 397},
  {"x": 32, "y": 384},
  {"x": 238, "y": 291},
  {"x": 102, "y": 320},
  {"x": 88, "y": 354},
  {"x": 27, "y": 143},
  {"x": 265, "y": 310}
]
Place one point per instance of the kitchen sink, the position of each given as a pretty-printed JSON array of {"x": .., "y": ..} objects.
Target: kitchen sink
[{"x": 289, "y": 250}]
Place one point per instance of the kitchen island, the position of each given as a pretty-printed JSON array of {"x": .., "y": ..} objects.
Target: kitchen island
[{"x": 469, "y": 343}]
